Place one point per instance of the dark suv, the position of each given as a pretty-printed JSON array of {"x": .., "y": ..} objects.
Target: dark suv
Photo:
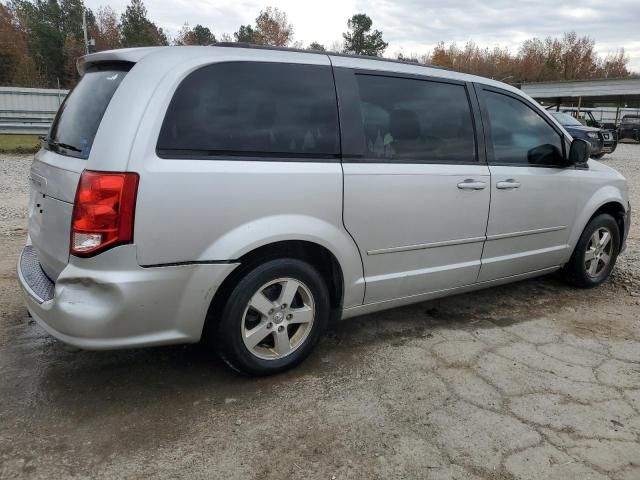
[
  {"x": 595, "y": 136},
  {"x": 629, "y": 127}
]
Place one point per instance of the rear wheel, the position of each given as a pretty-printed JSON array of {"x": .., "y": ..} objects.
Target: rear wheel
[
  {"x": 595, "y": 254},
  {"x": 273, "y": 318}
]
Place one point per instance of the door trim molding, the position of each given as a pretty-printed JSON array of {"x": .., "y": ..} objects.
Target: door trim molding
[
  {"x": 462, "y": 241},
  {"x": 522, "y": 233},
  {"x": 421, "y": 297},
  {"x": 424, "y": 246}
]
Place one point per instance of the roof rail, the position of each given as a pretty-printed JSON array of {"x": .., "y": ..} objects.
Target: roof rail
[{"x": 335, "y": 54}]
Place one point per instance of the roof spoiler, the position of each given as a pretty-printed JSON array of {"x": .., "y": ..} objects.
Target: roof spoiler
[{"x": 123, "y": 55}]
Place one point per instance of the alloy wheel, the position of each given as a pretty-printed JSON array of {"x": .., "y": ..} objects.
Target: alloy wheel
[
  {"x": 599, "y": 251},
  {"x": 278, "y": 319}
]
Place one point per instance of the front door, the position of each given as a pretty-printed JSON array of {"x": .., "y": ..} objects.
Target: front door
[
  {"x": 416, "y": 191},
  {"x": 535, "y": 198}
]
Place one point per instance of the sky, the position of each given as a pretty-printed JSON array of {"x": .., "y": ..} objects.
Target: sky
[{"x": 416, "y": 26}]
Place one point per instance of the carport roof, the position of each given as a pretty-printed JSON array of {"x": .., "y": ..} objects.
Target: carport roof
[{"x": 612, "y": 91}]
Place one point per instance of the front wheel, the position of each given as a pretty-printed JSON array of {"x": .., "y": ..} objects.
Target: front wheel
[
  {"x": 595, "y": 254},
  {"x": 273, "y": 317}
]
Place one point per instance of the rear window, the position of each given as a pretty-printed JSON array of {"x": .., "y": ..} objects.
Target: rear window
[
  {"x": 76, "y": 123},
  {"x": 631, "y": 120},
  {"x": 252, "y": 109}
]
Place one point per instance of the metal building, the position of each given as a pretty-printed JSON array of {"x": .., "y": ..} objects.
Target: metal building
[{"x": 620, "y": 93}]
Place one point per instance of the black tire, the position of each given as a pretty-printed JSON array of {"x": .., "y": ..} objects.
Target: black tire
[
  {"x": 598, "y": 156},
  {"x": 575, "y": 271},
  {"x": 228, "y": 337}
]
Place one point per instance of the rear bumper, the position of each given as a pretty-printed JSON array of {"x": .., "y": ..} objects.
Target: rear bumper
[
  {"x": 32, "y": 278},
  {"x": 109, "y": 301}
]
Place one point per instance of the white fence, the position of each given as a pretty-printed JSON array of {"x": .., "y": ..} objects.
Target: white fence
[
  {"x": 608, "y": 114},
  {"x": 28, "y": 110}
]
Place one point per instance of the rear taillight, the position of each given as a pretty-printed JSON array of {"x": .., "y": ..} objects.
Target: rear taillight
[{"x": 103, "y": 212}]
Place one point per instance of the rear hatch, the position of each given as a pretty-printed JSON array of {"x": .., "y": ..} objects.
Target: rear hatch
[{"x": 64, "y": 155}]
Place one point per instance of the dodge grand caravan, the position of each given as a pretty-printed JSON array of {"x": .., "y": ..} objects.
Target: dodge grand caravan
[{"x": 246, "y": 197}]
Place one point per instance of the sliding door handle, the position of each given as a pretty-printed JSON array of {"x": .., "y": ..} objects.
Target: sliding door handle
[
  {"x": 471, "y": 184},
  {"x": 508, "y": 184}
]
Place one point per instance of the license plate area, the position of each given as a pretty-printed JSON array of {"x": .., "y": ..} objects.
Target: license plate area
[{"x": 36, "y": 202}]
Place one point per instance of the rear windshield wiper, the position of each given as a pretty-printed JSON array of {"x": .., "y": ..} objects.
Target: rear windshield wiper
[{"x": 66, "y": 146}]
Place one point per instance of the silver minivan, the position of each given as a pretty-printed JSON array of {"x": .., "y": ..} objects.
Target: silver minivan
[{"x": 249, "y": 196}]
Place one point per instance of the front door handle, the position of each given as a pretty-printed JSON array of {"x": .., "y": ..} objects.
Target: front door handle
[
  {"x": 471, "y": 184},
  {"x": 508, "y": 184}
]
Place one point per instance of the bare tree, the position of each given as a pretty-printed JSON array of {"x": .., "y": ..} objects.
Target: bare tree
[
  {"x": 614, "y": 65},
  {"x": 273, "y": 28},
  {"x": 106, "y": 30},
  {"x": 567, "y": 58},
  {"x": 73, "y": 48}
]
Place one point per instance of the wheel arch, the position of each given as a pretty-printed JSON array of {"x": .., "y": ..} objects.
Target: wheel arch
[
  {"x": 313, "y": 253},
  {"x": 617, "y": 211},
  {"x": 263, "y": 233},
  {"x": 606, "y": 201}
]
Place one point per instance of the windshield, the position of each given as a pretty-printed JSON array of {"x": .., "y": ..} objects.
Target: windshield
[
  {"x": 631, "y": 120},
  {"x": 566, "y": 120},
  {"x": 79, "y": 116}
]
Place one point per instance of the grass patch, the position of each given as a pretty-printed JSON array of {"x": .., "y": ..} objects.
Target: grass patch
[{"x": 19, "y": 143}]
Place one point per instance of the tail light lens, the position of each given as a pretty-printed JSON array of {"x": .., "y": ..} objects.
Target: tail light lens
[{"x": 103, "y": 212}]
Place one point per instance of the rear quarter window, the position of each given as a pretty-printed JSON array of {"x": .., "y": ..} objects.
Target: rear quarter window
[
  {"x": 76, "y": 123},
  {"x": 252, "y": 109}
]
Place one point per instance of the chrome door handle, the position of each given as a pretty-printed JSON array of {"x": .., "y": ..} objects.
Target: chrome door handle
[
  {"x": 508, "y": 184},
  {"x": 471, "y": 184}
]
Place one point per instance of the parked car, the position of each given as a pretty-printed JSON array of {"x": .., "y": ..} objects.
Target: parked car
[
  {"x": 595, "y": 136},
  {"x": 629, "y": 127},
  {"x": 248, "y": 196},
  {"x": 585, "y": 117}
]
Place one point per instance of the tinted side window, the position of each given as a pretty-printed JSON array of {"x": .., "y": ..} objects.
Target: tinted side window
[
  {"x": 253, "y": 108},
  {"x": 409, "y": 120},
  {"x": 519, "y": 134}
]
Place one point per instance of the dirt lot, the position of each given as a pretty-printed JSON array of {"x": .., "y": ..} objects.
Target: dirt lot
[{"x": 533, "y": 380}]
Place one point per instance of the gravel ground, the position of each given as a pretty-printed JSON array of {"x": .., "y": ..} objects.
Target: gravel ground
[
  {"x": 527, "y": 381},
  {"x": 14, "y": 193}
]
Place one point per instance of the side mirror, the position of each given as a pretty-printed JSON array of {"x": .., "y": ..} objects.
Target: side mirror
[{"x": 579, "y": 152}]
